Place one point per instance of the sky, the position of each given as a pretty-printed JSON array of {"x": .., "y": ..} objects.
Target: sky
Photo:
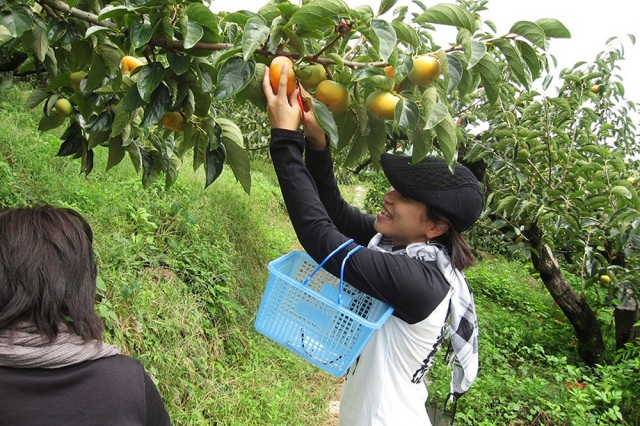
[{"x": 590, "y": 22}]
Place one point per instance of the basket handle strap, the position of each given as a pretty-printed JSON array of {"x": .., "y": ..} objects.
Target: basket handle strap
[
  {"x": 344, "y": 262},
  {"x": 340, "y": 247}
]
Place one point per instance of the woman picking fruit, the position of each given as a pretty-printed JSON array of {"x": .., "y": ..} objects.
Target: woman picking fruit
[{"x": 413, "y": 260}]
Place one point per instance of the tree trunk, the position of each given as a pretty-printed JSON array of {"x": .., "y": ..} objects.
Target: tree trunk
[
  {"x": 625, "y": 316},
  {"x": 588, "y": 333}
]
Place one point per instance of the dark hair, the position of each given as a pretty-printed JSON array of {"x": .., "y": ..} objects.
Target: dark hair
[
  {"x": 459, "y": 251},
  {"x": 48, "y": 271}
]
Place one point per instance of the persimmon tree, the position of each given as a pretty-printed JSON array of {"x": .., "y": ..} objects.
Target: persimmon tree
[
  {"x": 193, "y": 59},
  {"x": 563, "y": 173}
]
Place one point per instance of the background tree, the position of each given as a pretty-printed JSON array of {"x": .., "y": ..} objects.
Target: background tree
[
  {"x": 563, "y": 189},
  {"x": 146, "y": 79}
]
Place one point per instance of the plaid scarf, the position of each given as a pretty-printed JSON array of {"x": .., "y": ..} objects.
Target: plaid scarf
[{"x": 463, "y": 324}]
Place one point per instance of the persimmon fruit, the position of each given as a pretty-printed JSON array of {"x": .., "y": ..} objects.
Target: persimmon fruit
[
  {"x": 63, "y": 107},
  {"x": 426, "y": 69},
  {"x": 334, "y": 95},
  {"x": 75, "y": 78},
  {"x": 129, "y": 63},
  {"x": 382, "y": 104},
  {"x": 275, "y": 71},
  {"x": 173, "y": 121},
  {"x": 310, "y": 76}
]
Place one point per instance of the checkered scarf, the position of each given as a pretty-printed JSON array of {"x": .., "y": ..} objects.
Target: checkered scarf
[{"x": 463, "y": 324}]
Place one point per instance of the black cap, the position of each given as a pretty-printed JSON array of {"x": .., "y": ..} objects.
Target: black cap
[{"x": 457, "y": 195}]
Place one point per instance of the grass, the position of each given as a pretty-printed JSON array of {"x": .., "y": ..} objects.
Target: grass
[{"x": 181, "y": 275}]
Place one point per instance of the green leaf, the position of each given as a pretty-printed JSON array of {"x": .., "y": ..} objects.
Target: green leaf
[
  {"x": 132, "y": 99},
  {"x": 406, "y": 114},
  {"x": 326, "y": 120},
  {"x": 514, "y": 60},
  {"x": 490, "y": 76},
  {"x": 18, "y": 21},
  {"x": 120, "y": 121},
  {"x": 357, "y": 150},
  {"x": 456, "y": 71},
  {"x": 478, "y": 50},
  {"x": 318, "y": 14},
  {"x": 377, "y": 139},
  {"x": 253, "y": 91},
  {"x": 116, "y": 153},
  {"x": 621, "y": 191},
  {"x": 347, "y": 128},
  {"x": 447, "y": 138},
  {"x": 421, "y": 143},
  {"x": 172, "y": 170},
  {"x": 385, "y": 6},
  {"x": 530, "y": 58},
  {"x": 140, "y": 33},
  {"x": 178, "y": 63},
  {"x": 236, "y": 155},
  {"x": 296, "y": 42},
  {"x": 36, "y": 97},
  {"x": 201, "y": 14},
  {"x": 531, "y": 31},
  {"x": 337, "y": 59},
  {"x": 553, "y": 28},
  {"x": 438, "y": 113},
  {"x": 214, "y": 164},
  {"x": 506, "y": 205},
  {"x": 95, "y": 29},
  {"x": 111, "y": 56},
  {"x": 149, "y": 79},
  {"x": 448, "y": 14},
  {"x": 111, "y": 12},
  {"x": 384, "y": 40},
  {"x": 255, "y": 35},
  {"x": 406, "y": 33},
  {"x": 158, "y": 105},
  {"x": 51, "y": 122},
  {"x": 234, "y": 76},
  {"x": 100, "y": 123},
  {"x": 194, "y": 34},
  {"x": 40, "y": 42},
  {"x": 97, "y": 72}
]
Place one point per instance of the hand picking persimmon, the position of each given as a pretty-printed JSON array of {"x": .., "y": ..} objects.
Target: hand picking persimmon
[{"x": 275, "y": 70}]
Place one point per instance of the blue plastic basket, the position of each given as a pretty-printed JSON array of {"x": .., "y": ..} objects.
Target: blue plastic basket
[{"x": 317, "y": 315}]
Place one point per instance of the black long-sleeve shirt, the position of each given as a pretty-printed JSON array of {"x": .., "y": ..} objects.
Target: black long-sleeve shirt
[
  {"x": 323, "y": 220},
  {"x": 108, "y": 391}
]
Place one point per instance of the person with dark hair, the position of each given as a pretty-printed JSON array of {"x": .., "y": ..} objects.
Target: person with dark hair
[
  {"x": 413, "y": 260},
  {"x": 54, "y": 367}
]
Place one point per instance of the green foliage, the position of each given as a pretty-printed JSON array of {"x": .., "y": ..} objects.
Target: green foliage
[
  {"x": 193, "y": 58},
  {"x": 530, "y": 372},
  {"x": 182, "y": 270},
  {"x": 181, "y": 275}
]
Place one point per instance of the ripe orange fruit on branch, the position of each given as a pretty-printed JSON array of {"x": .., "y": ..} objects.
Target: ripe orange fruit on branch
[
  {"x": 129, "y": 63},
  {"x": 382, "y": 104},
  {"x": 334, "y": 95},
  {"x": 275, "y": 71},
  {"x": 426, "y": 69},
  {"x": 173, "y": 121},
  {"x": 63, "y": 107}
]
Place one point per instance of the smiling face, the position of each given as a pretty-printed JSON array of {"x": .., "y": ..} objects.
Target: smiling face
[{"x": 405, "y": 220}]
